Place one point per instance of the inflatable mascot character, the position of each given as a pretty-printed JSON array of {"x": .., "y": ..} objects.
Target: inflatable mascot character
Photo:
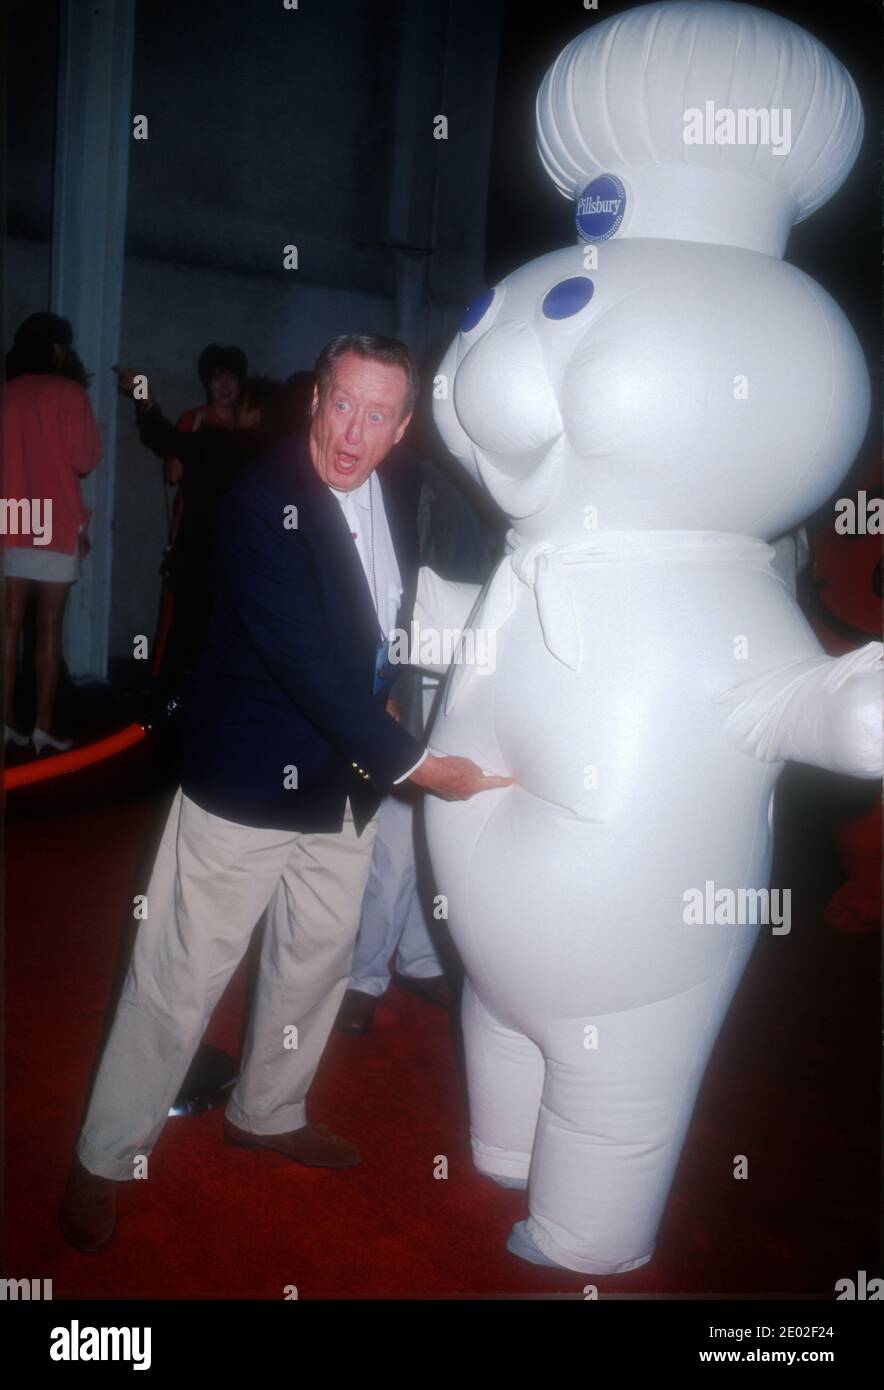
[{"x": 650, "y": 408}]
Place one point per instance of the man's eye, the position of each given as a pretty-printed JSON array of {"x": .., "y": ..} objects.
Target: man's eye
[
  {"x": 377, "y": 419},
  {"x": 340, "y": 405}
]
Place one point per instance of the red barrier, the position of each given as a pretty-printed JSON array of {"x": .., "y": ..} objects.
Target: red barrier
[{"x": 42, "y": 769}]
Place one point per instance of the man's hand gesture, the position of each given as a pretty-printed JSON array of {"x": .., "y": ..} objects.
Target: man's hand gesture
[{"x": 454, "y": 779}]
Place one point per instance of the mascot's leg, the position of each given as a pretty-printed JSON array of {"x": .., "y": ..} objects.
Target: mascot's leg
[
  {"x": 505, "y": 1078},
  {"x": 618, "y": 1096}
]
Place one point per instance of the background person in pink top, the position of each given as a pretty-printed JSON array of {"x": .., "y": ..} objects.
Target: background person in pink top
[{"x": 50, "y": 442}]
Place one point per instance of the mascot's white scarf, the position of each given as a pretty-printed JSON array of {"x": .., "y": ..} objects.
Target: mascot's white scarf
[{"x": 542, "y": 565}]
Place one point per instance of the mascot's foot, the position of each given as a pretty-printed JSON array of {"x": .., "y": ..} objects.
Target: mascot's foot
[
  {"x": 520, "y": 1183},
  {"x": 518, "y": 1242}
]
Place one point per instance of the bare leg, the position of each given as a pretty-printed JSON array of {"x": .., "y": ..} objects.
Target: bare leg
[
  {"x": 15, "y": 603},
  {"x": 51, "y": 600}
]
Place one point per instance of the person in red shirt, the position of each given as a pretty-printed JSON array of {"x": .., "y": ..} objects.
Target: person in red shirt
[{"x": 50, "y": 442}]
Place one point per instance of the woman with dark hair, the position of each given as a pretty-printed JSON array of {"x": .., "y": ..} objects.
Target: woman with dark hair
[
  {"x": 222, "y": 371},
  {"x": 50, "y": 442},
  {"x": 45, "y": 343}
]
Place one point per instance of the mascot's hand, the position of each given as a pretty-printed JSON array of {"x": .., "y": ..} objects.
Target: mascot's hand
[
  {"x": 822, "y": 710},
  {"x": 852, "y": 718}
]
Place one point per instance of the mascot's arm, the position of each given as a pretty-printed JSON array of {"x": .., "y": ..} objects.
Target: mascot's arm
[
  {"x": 822, "y": 710},
  {"x": 440, "y": 605}
]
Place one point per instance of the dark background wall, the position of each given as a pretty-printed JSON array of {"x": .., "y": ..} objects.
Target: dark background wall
[{"x": 269, "y": 127}]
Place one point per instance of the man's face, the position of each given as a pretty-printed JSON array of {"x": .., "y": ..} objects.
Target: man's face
[
  {"x": 224, "y": 388},
  {"x": 357, "y": 420}
]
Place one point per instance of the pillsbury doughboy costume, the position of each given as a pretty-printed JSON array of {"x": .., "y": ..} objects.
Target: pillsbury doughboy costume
[{"x": 649, "y": 419}]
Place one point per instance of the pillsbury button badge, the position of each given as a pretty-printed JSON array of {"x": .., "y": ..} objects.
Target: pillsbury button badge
[{"x": 600, "y": 208}]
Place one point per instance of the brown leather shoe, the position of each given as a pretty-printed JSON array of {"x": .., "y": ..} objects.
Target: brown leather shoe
[
  {"x": 314, "y": 1145},
  {"x": 88, "y": 1215},
  {"x": 435, "y": 989},
  {"x": 356, "y": 1014}
]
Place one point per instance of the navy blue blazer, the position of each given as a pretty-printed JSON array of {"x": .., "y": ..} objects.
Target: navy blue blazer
[{"x": 281, "y": 724}]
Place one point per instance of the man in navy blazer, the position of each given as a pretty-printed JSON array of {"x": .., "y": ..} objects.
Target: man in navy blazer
[
  {"x": 272, "y": 689},
  {"x": 289, "y": 747}
]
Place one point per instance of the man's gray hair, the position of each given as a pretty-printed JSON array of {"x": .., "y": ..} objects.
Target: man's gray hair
[{"x": 375, "y": 348}]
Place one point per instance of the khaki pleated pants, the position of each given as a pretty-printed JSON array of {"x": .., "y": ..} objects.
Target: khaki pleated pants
[{"x": 210, "y": 884}]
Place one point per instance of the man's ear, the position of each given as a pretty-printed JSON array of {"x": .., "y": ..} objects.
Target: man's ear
[
  {"x": 314, "y": 401},
  {"x": 403, "y": 427}
]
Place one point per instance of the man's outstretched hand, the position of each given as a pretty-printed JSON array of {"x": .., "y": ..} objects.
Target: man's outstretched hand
[
  {"x": 454, "y": 779},
  {"x": 125, "y": 380}
]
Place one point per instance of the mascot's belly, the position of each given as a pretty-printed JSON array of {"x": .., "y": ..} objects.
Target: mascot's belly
[{"x": 566, "y": 892}]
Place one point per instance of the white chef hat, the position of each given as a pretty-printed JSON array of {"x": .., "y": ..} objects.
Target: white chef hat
[{"x": 613, "y": 113}]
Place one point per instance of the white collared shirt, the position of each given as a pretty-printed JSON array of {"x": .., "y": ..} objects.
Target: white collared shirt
[
  {"x": 358, "y": 504},
  {"x": 385, "y": 581}
]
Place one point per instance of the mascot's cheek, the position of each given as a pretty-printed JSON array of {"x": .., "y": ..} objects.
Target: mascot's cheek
[
  {"x": 629, "y": 384},
  {"x": 739, "y": 391},
  {"x": 445, "y": 415},
  {"x": 502, "y": 393}
]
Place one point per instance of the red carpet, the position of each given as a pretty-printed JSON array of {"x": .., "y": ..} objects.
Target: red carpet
[{"x": 793, "y": 1086}]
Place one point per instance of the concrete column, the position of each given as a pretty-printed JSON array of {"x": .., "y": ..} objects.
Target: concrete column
[
  {"x": 403, "y": 228},
  {"x": 446, "y": 65},
  {"x": 93, "y": 132}
]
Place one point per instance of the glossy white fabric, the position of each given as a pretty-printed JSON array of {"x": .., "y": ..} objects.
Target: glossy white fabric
[
  {"x": 651, "y": 667},
  {"x": 615, "y": 98}
]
